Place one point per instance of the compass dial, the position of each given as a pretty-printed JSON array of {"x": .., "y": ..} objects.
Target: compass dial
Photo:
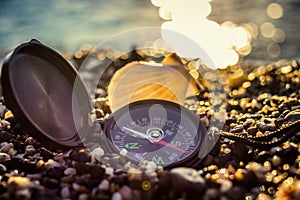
[{"x": 156, "y": 130}]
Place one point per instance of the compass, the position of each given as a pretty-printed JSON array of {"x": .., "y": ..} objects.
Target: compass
[
  {"x": 156, "y": 130},
  {"x": 38, "y": 86}
]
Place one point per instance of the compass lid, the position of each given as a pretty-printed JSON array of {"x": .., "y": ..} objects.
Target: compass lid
[{"x": 38, "y": 86}]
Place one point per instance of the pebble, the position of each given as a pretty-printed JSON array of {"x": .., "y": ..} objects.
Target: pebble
[
  {"x": 4, "y": 125},
  {"x": 2, "y": 169},
  {"x": 276, "y": 160},
  {"x": 226, "y": 186},
  {"x": 30, "y": 150},
  {"x": 109, "y": 171},
  {"x": 83, "y": 156},
  {"x": 189, "y": 180},
  {"x": 51, "y": 164},
  {"x": 97, "y": 154},
  {"x": 237, "y": 129},
  {"x": 4, "y": 157},
  {"x": 83, "y": 196},
  {"x": 23, "y": 194},
  {"x": 267, "y": 127},
  {"x": 126, "y": 193},
  {"x": 70, "y": 171},
  {"x": 252, "y": 130},
  {"x": 65, "y": 193},
  {"x": 116, "y": 196},
  {"x": 5, "y": 147},
  {"x": 5, "y": 136},
  {"x": 104, "y": 185}
]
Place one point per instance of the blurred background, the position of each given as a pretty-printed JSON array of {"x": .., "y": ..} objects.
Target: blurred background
[{"x": 66, "y": 25}]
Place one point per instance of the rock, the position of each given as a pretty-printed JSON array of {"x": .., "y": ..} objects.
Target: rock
[
  {"x": 116, "y": 196},
  {"x": 226, "y": 186},
  {"x": 97, "y": 153},
  {"x": 126, "y": 193},
  {"x": 83, "y": 156},
  {"x": 5, "y": 136},
  {"x": 2, "y": 169},
  {"x": 70, "y": 171},
  {"x": 4, "y": 157},
  {"x": 267, "y": 127},
  {"x": 252, "y": 130},
  {"x": 83, "y": 196},
  {"x": 29, "y": 150},
  {"x": 65, "y": 193},
  {"x": 5, "y": 147},
  {"x": 104, "y": 185},
  {"x": 23, "y": 194},
  {"x": 18, "y": 186},
  {"x": 237, "y": 129},
  {"x": 189, "y": 179},
  {"x": 51, "y": 164}
]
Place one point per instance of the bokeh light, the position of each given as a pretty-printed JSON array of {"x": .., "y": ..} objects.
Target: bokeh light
[
  {"x": 275, "y": 11},
  {"x": 224, "y": 43},
  {"x": 273, "y": 50},
  {"x": 267, "y": 29}
]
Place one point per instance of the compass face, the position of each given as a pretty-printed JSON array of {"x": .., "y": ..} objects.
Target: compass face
[{"x": 159, "y": 131}]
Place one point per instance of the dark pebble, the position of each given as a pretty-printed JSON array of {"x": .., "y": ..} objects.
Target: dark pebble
[
  {"x": 50, "y": 183},
  {"x": 250, "y": 180},
  {"x": 46, "y": 154},
  {"x": 95, "y": 171},
  {"x": 267, "y": 127},
  {"x": 237, "y": 193},
  {"x": 263, "y": 156},
  {"x": 240, "y": 151},
  {"x": 55, "y": 172},
  {"x": 237, "y": 129},
  {"x": 252, "y": 131},
  {"x": 289, "y": 155},
  {"x": 83, "y": 157},
  {"x": 5, "y": 136},
  {"x": 44, "y": 194}
]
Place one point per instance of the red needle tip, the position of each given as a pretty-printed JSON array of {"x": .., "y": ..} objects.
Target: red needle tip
[{"x": 171, "y": 146}]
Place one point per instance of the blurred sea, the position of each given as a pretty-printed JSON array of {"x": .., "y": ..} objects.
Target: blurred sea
[{"x": 68, "y": 24}]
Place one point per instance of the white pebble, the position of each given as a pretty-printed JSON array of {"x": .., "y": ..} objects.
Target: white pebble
[
  {"x": 109, "y": 171},
  {"x": 97, "y": 153},
  {"x": 226, "y": 186},
  {"x": 65, "y": 193},
  {"x": 70, "y": 171},
  {"x": 104, "y": 185},
  {"x": 151, "y": 166},
  {"x": 51, "y": 164},
  {"x": 4, "y": 157},
  {"x": 83, "y": 197},
  {"x": 116, "y": 196},
  {"x": 189, "y": 174},
  {"x": 123, "y": 152}
]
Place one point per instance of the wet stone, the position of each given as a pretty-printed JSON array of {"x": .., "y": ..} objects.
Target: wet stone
[
  {"x": 237, "y": 129},
  {"x": 5, "y": 136},
  {"x": 267, "y": 127},
  {"x": 189, "y": 178},
  {"x": 252, "y": 130}
]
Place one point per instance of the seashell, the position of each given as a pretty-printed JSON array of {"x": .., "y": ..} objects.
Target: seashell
[{"x": 168, "y": 80}]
